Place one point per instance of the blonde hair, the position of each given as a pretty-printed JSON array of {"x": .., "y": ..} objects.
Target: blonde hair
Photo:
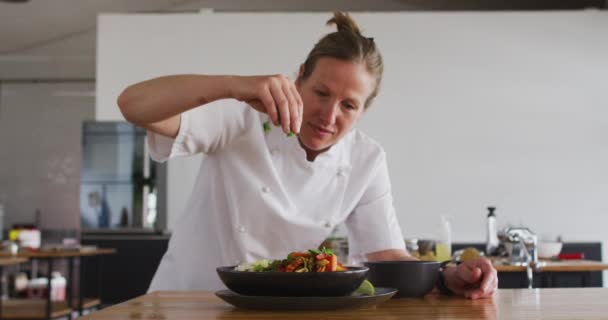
[{"x": 347, "y": 44}]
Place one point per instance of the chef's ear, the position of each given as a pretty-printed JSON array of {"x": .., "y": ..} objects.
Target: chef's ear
[{"x": 300, "y": 74}]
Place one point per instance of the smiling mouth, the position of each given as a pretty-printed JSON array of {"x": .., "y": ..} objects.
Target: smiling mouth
[{"x": 321, "y": 130}]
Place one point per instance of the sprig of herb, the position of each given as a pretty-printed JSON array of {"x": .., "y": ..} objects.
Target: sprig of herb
[
  {"x": 323, "y": 250},
  {"x": 267, "y": 128}
]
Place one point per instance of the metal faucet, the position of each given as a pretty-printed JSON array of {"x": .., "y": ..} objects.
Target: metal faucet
[{"x": 524, "y": 240}]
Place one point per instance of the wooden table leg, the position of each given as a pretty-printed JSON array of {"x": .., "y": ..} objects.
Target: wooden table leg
[
  {"x": 1, "y": 290},
  {"x": 70, "y": 284},
  {"x": 99, "y": 282},
  {"x": 49, "y": 277},
  {"x": 80, "y": 284}
]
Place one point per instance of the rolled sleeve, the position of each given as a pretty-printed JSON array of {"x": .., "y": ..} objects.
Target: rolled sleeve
[
  {"x": 373, "y": 224},
  {"x": 162, "y": 148},
  {"x": 204, "y": 129}
]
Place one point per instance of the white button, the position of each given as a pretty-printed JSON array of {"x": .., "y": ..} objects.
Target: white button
[
  {"x": 241, "y": 229},
  {"x": 265, "y": 189},
  {"x": 274, "y": 152},
  {"x": 327, "y": 224},
  {"x": 341, "y": 173}
]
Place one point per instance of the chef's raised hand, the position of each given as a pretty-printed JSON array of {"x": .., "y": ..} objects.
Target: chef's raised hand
[
  {"x": 474, "y": 278},
  {"x": 275, "y": 95}
]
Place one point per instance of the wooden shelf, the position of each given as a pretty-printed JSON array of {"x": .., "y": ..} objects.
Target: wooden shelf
[
  {"x": 59, "y": 253},
  {"x": 87, "y": 303},
  {"x": 32, "y": 309},
  {"x": 36, "y": 309},
  {"x": 9, "y": 261}
]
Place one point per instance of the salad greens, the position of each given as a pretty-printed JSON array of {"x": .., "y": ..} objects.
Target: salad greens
[{"x": 313, "y": 260}]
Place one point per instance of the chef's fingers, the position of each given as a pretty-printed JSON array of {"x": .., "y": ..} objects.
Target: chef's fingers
[
  {"x": 489, "y": 274},
  {"x": 477, "y": 293},
  {"x": 282, "y": 104},
  {"x": 268, "y": 102},
  {"x": 468, "y": 272},
  {"x": 494, "y": 287},
  {"x": 300, "y": 106},
  {"x": 293, "y": 107},
  {"x": 490, "y": 290}
]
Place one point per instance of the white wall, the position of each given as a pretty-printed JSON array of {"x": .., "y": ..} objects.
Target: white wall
[
  {"x": 476, "y": 109},
  {"x": 40, "y": 158}
]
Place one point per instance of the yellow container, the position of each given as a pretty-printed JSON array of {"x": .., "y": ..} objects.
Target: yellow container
[
  {"x": 443, "y": 251},
  {"x": 13, "y": 235}
]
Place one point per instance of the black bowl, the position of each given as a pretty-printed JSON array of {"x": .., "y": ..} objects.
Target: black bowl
[
  {"x": 411, "y": 278},
  {"x": 304, "y": 284}
]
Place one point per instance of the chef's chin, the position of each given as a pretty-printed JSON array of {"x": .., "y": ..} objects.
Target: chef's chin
[{"x": 314, "y": 143}]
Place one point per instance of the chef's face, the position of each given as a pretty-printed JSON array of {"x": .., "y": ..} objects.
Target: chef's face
[{"x": 334, "y": 98}]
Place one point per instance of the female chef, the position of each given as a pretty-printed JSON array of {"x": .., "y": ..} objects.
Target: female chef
[{"x": 284, "y": 164}]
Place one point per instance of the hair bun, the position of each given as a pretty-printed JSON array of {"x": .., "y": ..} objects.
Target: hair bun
[
  {"x": 347, "y": 44},
  {"x": 344, "y": 23}
]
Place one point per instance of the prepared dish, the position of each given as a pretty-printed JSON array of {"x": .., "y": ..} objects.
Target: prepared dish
[{"x": 313, "y": 260}]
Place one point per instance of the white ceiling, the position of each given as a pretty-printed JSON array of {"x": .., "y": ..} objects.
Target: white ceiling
[
  {"x": 27, "y": 24},
  {"x": 56, "y": 39},
  {"x": 35, "y": 23}
]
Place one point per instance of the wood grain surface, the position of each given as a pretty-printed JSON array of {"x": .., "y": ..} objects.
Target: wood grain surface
[
  {"x": 577, "y": 303},
  {"x": 558, "y": 266}
]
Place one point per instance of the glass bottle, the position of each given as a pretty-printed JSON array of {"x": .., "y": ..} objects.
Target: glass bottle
[
  {"x": 491, "y": 233},
  {"x": 443, "y": 247}
]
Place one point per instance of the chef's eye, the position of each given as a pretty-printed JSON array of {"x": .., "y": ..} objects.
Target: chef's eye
[
  {"x": 321, "y": 93},
  {"x": 350, "y": 106}
]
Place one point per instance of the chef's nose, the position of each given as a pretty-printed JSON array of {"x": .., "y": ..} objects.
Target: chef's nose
[{"x": 329, "y": 113}]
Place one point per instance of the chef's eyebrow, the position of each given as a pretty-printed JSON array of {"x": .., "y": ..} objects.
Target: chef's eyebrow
[
  {"x": 349, "y": 99},
  {"x": 322, "y": 86}
]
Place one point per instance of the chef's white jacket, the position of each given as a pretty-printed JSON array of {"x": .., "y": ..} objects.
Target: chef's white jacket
[{"x": 257, "y": 197}]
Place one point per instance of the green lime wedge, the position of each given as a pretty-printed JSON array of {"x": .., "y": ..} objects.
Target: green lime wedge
[{"x": 366, "y": 288}]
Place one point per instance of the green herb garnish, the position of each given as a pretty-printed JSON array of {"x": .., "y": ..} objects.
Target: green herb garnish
[
  {"x": 323, "y": 250},
  {"x": 266, "y": 126},
  {"x": 327, "y": 251},
  {"x": 314, "y": 251}
]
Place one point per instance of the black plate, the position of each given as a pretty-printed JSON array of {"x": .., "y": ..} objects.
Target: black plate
[
  {"x": 304, "y": 284},
  {"x": 305, "y": 303}
]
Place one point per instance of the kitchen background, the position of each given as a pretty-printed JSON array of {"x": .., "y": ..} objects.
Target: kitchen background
[
  {"x": 523, "y": 126},
  {"x": 477, "y": 109}
]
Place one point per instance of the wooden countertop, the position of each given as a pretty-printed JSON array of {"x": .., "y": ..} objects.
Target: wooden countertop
[
  {"x": 557, "y": 266},
  {"x": 59, "y": 253},
  {"x": 576, "y": 303}
]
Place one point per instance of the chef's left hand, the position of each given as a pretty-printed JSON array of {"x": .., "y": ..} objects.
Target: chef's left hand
[{"x": 474, "y": 278}]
